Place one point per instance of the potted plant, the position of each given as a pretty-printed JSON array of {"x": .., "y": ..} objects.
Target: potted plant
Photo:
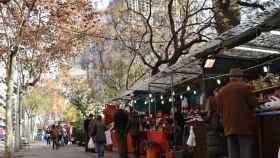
[{"x": 152, "y": 149}]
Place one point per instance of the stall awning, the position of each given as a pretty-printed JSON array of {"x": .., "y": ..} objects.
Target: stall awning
[{"x": 246, "y": 38}]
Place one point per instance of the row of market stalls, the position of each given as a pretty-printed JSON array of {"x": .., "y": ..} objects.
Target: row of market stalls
[{"x": 253, "y": 46}]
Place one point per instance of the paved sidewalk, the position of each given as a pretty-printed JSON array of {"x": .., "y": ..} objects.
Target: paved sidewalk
[{"x": 71, "y": 151}]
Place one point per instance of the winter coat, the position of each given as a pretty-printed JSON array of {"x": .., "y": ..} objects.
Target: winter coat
[{"x": 236, "y": 104}]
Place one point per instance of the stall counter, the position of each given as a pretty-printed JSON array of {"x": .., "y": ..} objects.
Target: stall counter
[
  {"x": 129, "y": 142},
  {"x": 268, "y": 134}
]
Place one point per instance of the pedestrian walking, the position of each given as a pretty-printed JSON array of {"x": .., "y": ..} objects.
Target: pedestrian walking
[
  {"x": 236, "y": 105},
  {"x": 65, "y": 136},
  {"x": 134, "y": 126},
  {"x": 121, "y": 125},
  {"x": 54, "y": 137},
  {"x": 86, "y": 129},
  {"x": 69, "y": 133},
  {"x": 215, "y": 139},
  {"x": 48, "y": 136},
  {"x": 60, "y": 134},
  {"x": 98, "y": 135}
]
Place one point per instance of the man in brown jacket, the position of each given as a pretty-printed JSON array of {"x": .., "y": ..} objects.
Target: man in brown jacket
[{"x": 236, "y": 104}]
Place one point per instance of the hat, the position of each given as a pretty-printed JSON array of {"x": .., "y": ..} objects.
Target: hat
[{"x": 236, "y": 72}]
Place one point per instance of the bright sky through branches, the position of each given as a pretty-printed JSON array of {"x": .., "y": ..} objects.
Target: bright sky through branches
[{"x": 101, "y": 4}]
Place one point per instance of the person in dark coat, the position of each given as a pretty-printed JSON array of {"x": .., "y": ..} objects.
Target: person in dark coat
[
  {"x": 216, "y": 142},
  {"x": 86, "y": 129},
  {"x": 98, "y": 135},
  {"x": 236, "y": 105},
  {"x": 135, "y": 126},
  {"x": 121, "y": 125},
  {"x": 54, "y": 137}
]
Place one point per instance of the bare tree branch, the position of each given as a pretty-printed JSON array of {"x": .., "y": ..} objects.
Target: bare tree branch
[{"x": 252, "y": 5}]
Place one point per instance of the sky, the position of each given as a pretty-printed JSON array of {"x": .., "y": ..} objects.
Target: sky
[{"x": 102, "y": 4}]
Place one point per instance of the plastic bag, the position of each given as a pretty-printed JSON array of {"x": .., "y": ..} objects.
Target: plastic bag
[
  {"x": 90, "y": 144},
  {"x": 191, "y": 140},
  {"x": 108, "y": 137}
]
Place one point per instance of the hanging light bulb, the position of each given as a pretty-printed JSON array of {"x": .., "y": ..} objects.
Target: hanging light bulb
[
  {"x": 173, "y": 93},
  {"x": 146, "y": 102},
  {"x": 265, "y": 69},
  {"x": 152, "y": 100},
  {"x": 162, "y": 102},
  {"x": 181, "y": 96},
  {"x": 161, "y": 97},
  {"x": 194, "y": 92},
  {"x": 150, "y": 95},
  {"x": 135, "y": 101},
  {"x": 219, "y": 82},
  {"x": 170, "y": 99},
  {"x": 188, "y": 88}
]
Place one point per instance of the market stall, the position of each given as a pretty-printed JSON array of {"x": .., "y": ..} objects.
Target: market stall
[{"x": 176, "y": 84}]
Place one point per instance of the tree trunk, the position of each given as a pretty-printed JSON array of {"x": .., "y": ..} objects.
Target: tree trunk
[
  {"x": 10, "y": 89},
  {"x": 227, "y": 14},
  {"x": 18, "y": 125},
  {"x": 18, "y": 117},
  {"x": 31, "y": 129},
  {"x": 28, "y": 130}
]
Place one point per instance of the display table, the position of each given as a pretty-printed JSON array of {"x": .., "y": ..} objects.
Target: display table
[
  {"x": 159, "y": 137},
  {"x": 129, "y": 142},
  {"x": 268, "y": 134}
]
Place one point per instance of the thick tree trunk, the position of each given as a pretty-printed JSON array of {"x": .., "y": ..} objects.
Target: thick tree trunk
[
  {"x": 227, "y": 14},
  {"x": 18, "y": 124},
  {"x": 10, "y": 89},
  {"x": 28, "y": 130}
]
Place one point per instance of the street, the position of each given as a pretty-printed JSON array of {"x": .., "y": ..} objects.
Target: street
[{"x": 40, "y": 150}]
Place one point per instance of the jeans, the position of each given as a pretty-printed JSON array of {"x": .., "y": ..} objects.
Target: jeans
[
  {"x": 136, "y": 145},
  {"x": 122, "y": 143},
  {"x": 99, "y": 147},
  {"x": 241, "y": 146},
  {"x": 86, "y": 141},
  {"x": 55, "y": 143}
]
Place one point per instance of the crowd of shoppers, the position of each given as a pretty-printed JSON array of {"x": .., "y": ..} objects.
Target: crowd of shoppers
[
  {"x": 123, "y": 123},
  {"x": 58, "y": 135}
]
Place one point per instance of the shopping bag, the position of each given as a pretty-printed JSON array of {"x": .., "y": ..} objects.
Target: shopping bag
[
  {"x": 90, "y": 144},
  {"x": 108, "y": 138},
  {"x": 191, "y": 140}
]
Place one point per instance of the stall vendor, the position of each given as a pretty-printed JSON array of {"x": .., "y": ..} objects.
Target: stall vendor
[{"x": 236, "y": 104}]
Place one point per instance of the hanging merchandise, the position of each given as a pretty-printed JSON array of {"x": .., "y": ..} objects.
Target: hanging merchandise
[
  {"x": 191, "y": 140},
  {"x": 184, "y": 104},
  {"x": 173, "y": 110},
  {"x": 108, "y": 137},
  {"x": 201, "y": 99}
]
